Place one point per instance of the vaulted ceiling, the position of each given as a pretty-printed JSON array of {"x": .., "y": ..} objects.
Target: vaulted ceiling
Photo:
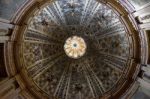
[
  {"x": 74, "y": 49},
  {"x": 98, "y": 71}
]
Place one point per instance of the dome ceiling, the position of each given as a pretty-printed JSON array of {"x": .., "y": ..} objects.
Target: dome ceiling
[{"x": 97, "y": 71}]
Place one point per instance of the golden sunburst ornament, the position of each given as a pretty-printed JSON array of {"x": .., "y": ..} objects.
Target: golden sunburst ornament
[{"x": 75, "y": 47}]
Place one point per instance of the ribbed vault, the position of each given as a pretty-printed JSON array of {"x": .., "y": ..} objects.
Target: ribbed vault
[
  {"x": 74, "y": 49},
  {"x": 104, "y": 64}
]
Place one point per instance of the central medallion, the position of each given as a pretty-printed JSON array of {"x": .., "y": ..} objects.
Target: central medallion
[{"x": 75, "y": 47}]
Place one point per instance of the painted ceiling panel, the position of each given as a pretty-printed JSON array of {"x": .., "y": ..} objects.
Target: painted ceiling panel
[{"x": 87, "y": 77}]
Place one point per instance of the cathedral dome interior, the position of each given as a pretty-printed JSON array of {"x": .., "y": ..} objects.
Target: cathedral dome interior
[
  {"x": 74, "y": 49},
  {"x": 82, "y": 70}
]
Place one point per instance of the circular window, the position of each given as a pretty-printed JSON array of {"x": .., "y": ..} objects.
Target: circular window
[{"x": 75, "y": 47}]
